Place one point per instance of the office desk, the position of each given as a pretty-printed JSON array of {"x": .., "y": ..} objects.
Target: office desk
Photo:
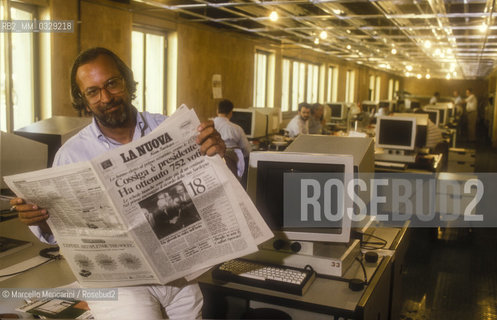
[
  {"x": 416, "y": 168},
  {"x": 325, "y": 296}
]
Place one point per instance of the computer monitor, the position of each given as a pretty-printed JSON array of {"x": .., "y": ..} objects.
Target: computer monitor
[
  {"x": 433, "y": 115},
  {"x": 265, "y": 186},
  {"x": 19, "y": 154},
  {"x": 253, "y": 122},
  {"x": 338, "y": 110},
  {"x": 415, "y": 104},
  {"x": 369, "y": 107},
  {"x": 421, "y": 126},
  {"x": 443, "y": 114},
  {"x": 274, "y": 119},
  {"x": 396, "y": 132}
]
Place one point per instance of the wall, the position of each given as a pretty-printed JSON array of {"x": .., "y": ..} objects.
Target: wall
[
  {"x": 426, "y": 87},
  {"x": 203, "y": 53}
]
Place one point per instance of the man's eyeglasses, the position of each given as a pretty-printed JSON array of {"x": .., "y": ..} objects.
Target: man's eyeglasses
[{"x": 113, "y": 86}]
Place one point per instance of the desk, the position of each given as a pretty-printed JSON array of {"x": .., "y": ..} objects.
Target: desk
[
  {"x": 50, "y": 275},
  {"x": 416, "y": 168},
  {"x": 325, "y": 296}
]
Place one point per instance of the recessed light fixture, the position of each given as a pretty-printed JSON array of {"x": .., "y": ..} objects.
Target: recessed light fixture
[
  {"x": 448, "y": 76},
  {"x": 348, "y": 46},
  {"x": 409, "y": 68},
  {"x": 394, "y": 51},
  {"x": 323, "y": 35},
  {"x": 316, "y": 41},
  {"x": 428, "y": 76},
  {"x": 427, "y": 44},
  {"x": 483, "y": 27},
  {"x": 418, "y": 76},
  {"x": 273, "y": 16}
]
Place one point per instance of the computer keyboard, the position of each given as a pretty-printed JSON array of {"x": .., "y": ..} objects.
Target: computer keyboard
[{"x": 267, "y": 276}]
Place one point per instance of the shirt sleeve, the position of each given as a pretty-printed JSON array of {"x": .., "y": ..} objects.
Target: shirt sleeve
[
  {"x": 244, "y": 143},
  {"x": 43, "y": 237}
]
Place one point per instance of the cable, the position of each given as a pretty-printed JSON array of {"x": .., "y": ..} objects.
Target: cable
[
  {"x": 363, "y": 270},
  {"x": 371, "y": 245}
]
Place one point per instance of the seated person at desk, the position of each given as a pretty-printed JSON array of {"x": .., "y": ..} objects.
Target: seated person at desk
[
  {"x": 316, "y": 120},
  {"x": 102, "y": 84},
  {"x": 233, "y": 135},
  {"x": 300, "y": 123}
]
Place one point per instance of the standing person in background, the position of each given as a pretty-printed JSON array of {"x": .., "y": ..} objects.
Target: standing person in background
[
  {"x": 300, "y": 123},
  {"x": 458, "y": 104},
  {"x": 471, "y": 114},
  {"x": 316, "y": 121},
  {"x": 233, "y": 135},
  {"x": 435, "y": 98}
]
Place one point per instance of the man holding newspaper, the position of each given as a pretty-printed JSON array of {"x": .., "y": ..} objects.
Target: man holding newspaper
[{"x": 102, "y": 84}]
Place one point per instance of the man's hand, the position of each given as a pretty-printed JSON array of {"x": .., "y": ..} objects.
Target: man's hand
[
  {"x": 31, "y": 214},
  {"x": 210, "y": 140}
]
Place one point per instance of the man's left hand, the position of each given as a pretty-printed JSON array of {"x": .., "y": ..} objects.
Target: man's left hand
[{"x": 210, "y": 140}]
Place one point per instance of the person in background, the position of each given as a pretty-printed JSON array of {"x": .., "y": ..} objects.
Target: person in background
[
  {"x": 435, "y": 98},
  {"x": 103, "y": 85},
  {"x": 471, "y": 114},
  {"x": 458, "y": 104},
  {"x": 300, "y": 123},
  {"x": 232, "y": 134},
  {"x": 316, "y": 120}
]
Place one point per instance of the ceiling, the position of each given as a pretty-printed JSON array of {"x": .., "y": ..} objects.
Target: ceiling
[{"x": 444, "y": 39}]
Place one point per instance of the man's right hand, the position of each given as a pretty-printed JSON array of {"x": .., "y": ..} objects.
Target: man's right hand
[{"x": 31, "y": 214}]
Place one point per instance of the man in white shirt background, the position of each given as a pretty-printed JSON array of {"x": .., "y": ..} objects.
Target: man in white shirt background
[
  {"x": 300, "y": 123},
  {"x": 232, "y": 134},
  {"x": 435, "y": 98},
  {"x": 471, "y": 114}
]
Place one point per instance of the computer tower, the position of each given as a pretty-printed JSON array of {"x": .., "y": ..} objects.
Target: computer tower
[{"x": 362, "y": 149}]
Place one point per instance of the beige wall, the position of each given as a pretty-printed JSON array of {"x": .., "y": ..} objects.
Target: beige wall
[
  {"x": 64, "y": 49},
  {"x": 203, "y": 53}
]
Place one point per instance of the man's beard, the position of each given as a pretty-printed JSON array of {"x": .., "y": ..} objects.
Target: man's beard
[{"x": 117, "y": 118}]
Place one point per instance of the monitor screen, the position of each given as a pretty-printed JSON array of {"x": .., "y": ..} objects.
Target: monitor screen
[
  {"x": 442, "y": 112},
  {"x": 396, "y": 132},
  {"x": 269, "y": 175},
  {"x": 369, "y": 107},
  {"x": 337, "y": 110},
  {"x": 433, "y": 115},
  {"x": 243, "y": 119}
]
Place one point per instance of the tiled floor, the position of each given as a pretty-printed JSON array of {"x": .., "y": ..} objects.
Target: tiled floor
[{"x": 452, "y": 273}]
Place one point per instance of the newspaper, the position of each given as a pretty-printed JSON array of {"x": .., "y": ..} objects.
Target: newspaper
[{"x": 148, "y": 212}]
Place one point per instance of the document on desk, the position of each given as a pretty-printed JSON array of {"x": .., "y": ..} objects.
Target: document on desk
[{"x": 150, "y": 211}]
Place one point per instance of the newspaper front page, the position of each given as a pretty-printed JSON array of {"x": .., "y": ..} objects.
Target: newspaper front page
[{"x": 150, "y": 211}]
